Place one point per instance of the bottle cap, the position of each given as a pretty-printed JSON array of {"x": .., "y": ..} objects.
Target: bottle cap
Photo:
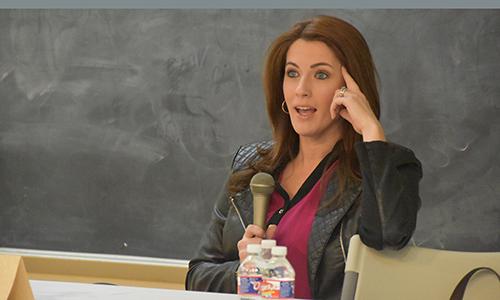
[
  {"x": 267, "y": 244},
  {"x": 253, "y": 248},
  {"x": 279, "y": 250}
]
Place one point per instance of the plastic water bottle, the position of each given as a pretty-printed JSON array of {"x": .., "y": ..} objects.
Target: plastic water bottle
[
  {"x": 265, "y": 249},
  {"x": 249, "y": 273},
  {"x": 278, "y": 279},
  {"x": 265, "y": 254}
]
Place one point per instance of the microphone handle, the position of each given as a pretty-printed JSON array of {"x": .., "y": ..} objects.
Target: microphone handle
[{"x": 260, "y": 204}]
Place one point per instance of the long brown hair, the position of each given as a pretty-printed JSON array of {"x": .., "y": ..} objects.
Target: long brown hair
[{"x": 351, "y": 49}]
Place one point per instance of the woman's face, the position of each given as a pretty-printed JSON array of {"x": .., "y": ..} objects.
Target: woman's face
[{"x": 312, "y": 75}]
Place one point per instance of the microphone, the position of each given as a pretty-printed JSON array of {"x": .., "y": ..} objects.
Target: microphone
[{"x": 261, "y": 185}]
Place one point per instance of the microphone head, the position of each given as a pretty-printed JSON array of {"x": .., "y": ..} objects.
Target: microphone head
[{"x": 262, "y": 183}]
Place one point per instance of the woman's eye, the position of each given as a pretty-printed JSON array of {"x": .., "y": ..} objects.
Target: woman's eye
[
  {"x": 321, "y": 75},
  {"x": 292, "y": 73}
]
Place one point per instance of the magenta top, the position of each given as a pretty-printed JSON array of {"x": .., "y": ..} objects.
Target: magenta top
[{"x": 294, "y": 218}]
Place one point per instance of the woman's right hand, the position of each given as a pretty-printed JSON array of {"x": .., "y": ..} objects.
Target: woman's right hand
[{"x": 253, "y": 235}]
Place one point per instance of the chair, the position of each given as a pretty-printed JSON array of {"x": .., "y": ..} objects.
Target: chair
[{"x": 417, "y": 273}]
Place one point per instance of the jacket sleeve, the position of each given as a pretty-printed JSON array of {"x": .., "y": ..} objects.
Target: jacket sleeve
[
  {"x": 210, "y": 270},
  {"x": 390, "y": 200}
]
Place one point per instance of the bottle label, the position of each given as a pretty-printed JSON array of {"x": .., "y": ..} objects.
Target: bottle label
[
  {"x": 277, "y": 288},
  {"x": 249, "y": 284}
]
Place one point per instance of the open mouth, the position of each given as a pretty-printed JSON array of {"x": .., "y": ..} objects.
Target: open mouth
[{"x": 305, "y": 110}]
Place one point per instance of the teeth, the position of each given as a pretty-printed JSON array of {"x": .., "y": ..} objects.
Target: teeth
[{"x": 304, "y": 108}]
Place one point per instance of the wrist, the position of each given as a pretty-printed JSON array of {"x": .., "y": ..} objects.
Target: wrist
[{"x": 374, "y": 133}]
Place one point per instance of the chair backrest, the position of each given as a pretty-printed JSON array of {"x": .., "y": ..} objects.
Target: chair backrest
[{"x": 417, "y": 273}]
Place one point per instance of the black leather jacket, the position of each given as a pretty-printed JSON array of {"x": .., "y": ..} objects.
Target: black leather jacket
[{"x": 384, "y": 215}]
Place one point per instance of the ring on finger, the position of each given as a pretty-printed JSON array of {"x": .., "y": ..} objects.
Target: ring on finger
[{"x": 342, "y": 91}]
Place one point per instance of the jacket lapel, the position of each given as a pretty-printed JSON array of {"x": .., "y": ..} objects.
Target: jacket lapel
[{"x": 325, "y": 222}]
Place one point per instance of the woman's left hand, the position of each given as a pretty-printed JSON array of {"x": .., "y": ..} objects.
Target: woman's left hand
[{"x": 353, "y": 107}]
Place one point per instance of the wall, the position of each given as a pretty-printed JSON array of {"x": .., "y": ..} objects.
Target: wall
[{"x": 117, "y": 127}]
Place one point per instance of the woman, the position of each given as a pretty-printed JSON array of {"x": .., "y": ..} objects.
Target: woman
[{"x": 336, "y": 174}]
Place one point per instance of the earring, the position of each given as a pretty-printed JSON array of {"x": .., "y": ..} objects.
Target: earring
[{"x": 284, "y": 108}]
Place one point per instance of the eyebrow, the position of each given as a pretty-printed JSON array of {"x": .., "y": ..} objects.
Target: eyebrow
[{"x": 312, "y": 66}]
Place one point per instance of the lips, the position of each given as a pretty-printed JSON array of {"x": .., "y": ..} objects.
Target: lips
[{"x": 305, "y": 110}]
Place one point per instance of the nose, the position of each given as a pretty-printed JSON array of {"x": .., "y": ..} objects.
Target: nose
[{"x": 303, "y": 88}]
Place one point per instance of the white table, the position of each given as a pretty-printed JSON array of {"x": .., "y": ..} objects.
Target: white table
[{"x": 55, "y": 290}]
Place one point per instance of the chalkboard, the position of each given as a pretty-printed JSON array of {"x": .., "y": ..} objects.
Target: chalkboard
[{"x": 117, "y": 127}]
